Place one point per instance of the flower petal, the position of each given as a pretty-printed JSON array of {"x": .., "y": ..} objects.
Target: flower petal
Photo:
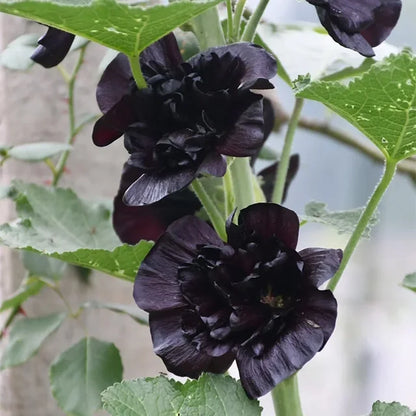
[
  {"x": 114, "y": 83},
  {"x": 320, "y": 264},
  {"x": 319, "y": 309},
  {"x": 214, "y": 164},
  {"x": 53, "y": 47},
  {"x": 246, "y": 135},
  {"x": 114, "y": 123},
  {"x": 158, "y": 272},
  {"x": 271, "y": 220},
  {"x": 292, "y": 350},
  {"x": 257, "y": 63},
  {"x": 150, "y": 188},
  {"x": 165, "y": 53},
  {"x": 133, "y": 224},
  {"x": 177, "y": 352}
]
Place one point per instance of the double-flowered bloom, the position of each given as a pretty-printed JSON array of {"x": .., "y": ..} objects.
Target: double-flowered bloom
[
  {"x": 358, "y": 24},
  {"x": 191, "y": 115},
  {"x": 254, "y": 299}
]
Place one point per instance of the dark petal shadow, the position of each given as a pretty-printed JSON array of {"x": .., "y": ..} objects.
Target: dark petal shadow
[
  {"x": 271, "y": 220},
  {"x": 320, "y": 264},
  {"x": 176, "y": 351},
  {"x": 292, "y": 350},
  {"x": 53, "y": 47},
  {"x": 114, "y": 83},
  {"x": 158, "y": 273}
]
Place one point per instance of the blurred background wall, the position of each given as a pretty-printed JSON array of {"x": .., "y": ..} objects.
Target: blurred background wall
[{"x": 371, "y": 354}]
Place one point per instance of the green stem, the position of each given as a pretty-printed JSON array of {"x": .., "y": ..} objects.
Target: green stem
[
  {"x": 242, "y": 176},
  {"x": 237, "y": 19},
  {"x": 250, "y": 30},
  {"x": 229, "y": 197},
  {"x": 136, "y": 70},
  {"x": 229, "y": 21},
  {"x": 208, "y": 30},
  {"x": 211, "y": 209},
  {"x": 282, "y": 170},
  {"x": 389, "y": 171},
  {"x": 60, "y": 166},
  {"x": 286, "y": 398}
]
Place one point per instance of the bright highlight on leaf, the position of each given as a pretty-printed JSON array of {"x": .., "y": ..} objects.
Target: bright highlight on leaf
[
  {"x": 121, "y": 26},
  {"x": 381, "y": 103},
  {"x": 210, "y": 395}
]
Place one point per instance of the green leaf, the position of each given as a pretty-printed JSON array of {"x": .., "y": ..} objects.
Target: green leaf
[
  {"x": 37, "y": 152},
  {"x": 410, "y": 281},
  {"x": 381, "y": 103},
  {"x": 216, "y": 395},
  {"x": 4, "y": 191},
  {"x": 390, "y": 409},
  {"x": 42, "y": 266},
  {"x": 82, "y": 372},
  {"x": 128, "y": 28},
  {"x": 343, "y": 221},
  {"x": 17, "y": 54},
  {"x": 30, "y": 287},
  {"x": 55, "y": 222},
  {"x": 26, "y": 337},
  {"x": 210, "y": 395},
  {"x": 319, "y": 55},
  {"x": 134, "y": 312}
]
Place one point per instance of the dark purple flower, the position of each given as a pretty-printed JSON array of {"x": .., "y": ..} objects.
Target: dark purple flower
[
  {"x": 53, "y": 47},
  {"x": 358, "y": 24},
  {"x": 191, "y": 115},
  {"x": 133, "y": 224},
  {"x": 253, "y": 299}
]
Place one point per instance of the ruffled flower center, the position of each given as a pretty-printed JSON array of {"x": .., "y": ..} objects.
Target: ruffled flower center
[{"x": 240, "y": 296}]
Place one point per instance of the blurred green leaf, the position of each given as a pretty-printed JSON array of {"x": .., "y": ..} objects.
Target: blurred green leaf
[
  {"x": 26, "y": 337},
  {"x": 16, "y": 55},
  {"x": 343, "y": 221},
  {"x": 29, "y": 287},
  {"x": 81, "y": 373},
  {"x": 409, "y": 281},
  {"x": 40, "y": 265},
  {"x": 390, "y": 409},
  {"x": 37, "y": 152},
  {"x": 134, "y": 312},
  {"x": 381, "y": 103},
  {"x": 128, "y": 28}
]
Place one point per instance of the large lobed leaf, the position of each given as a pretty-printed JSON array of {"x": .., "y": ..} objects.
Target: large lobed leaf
[
  {"x": 210, "y": 395},
  {"x": 57, "y": 223},
  {"x": 381, "y": 103},
  {"x": 128, "y": 28}
]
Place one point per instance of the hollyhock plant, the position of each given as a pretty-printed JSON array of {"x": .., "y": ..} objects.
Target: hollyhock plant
[
  {"x": 358, "y": 24},
  {"x": 191, "y": 115},
  {"x": 53, "y": 47},
  {"x": 133, "y": 224},
  {"x": 254, "y": 299}
]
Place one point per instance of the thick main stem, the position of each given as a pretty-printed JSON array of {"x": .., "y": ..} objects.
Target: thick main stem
[
  {"x": 389, "y": 171},
  {"x": 279, "y": 185},
  {"x": 286, "y": 398},
  {"x": 252, "y": 24}
]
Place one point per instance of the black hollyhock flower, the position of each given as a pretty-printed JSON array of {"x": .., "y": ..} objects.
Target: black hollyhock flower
[
  {"x": 253, "y": 299},
  {"x": 190, "y": 116},
  {"x": 53, "y": 47},
  {"x": 133, "y": 224},
  {"x": 358, "y": 24}
]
